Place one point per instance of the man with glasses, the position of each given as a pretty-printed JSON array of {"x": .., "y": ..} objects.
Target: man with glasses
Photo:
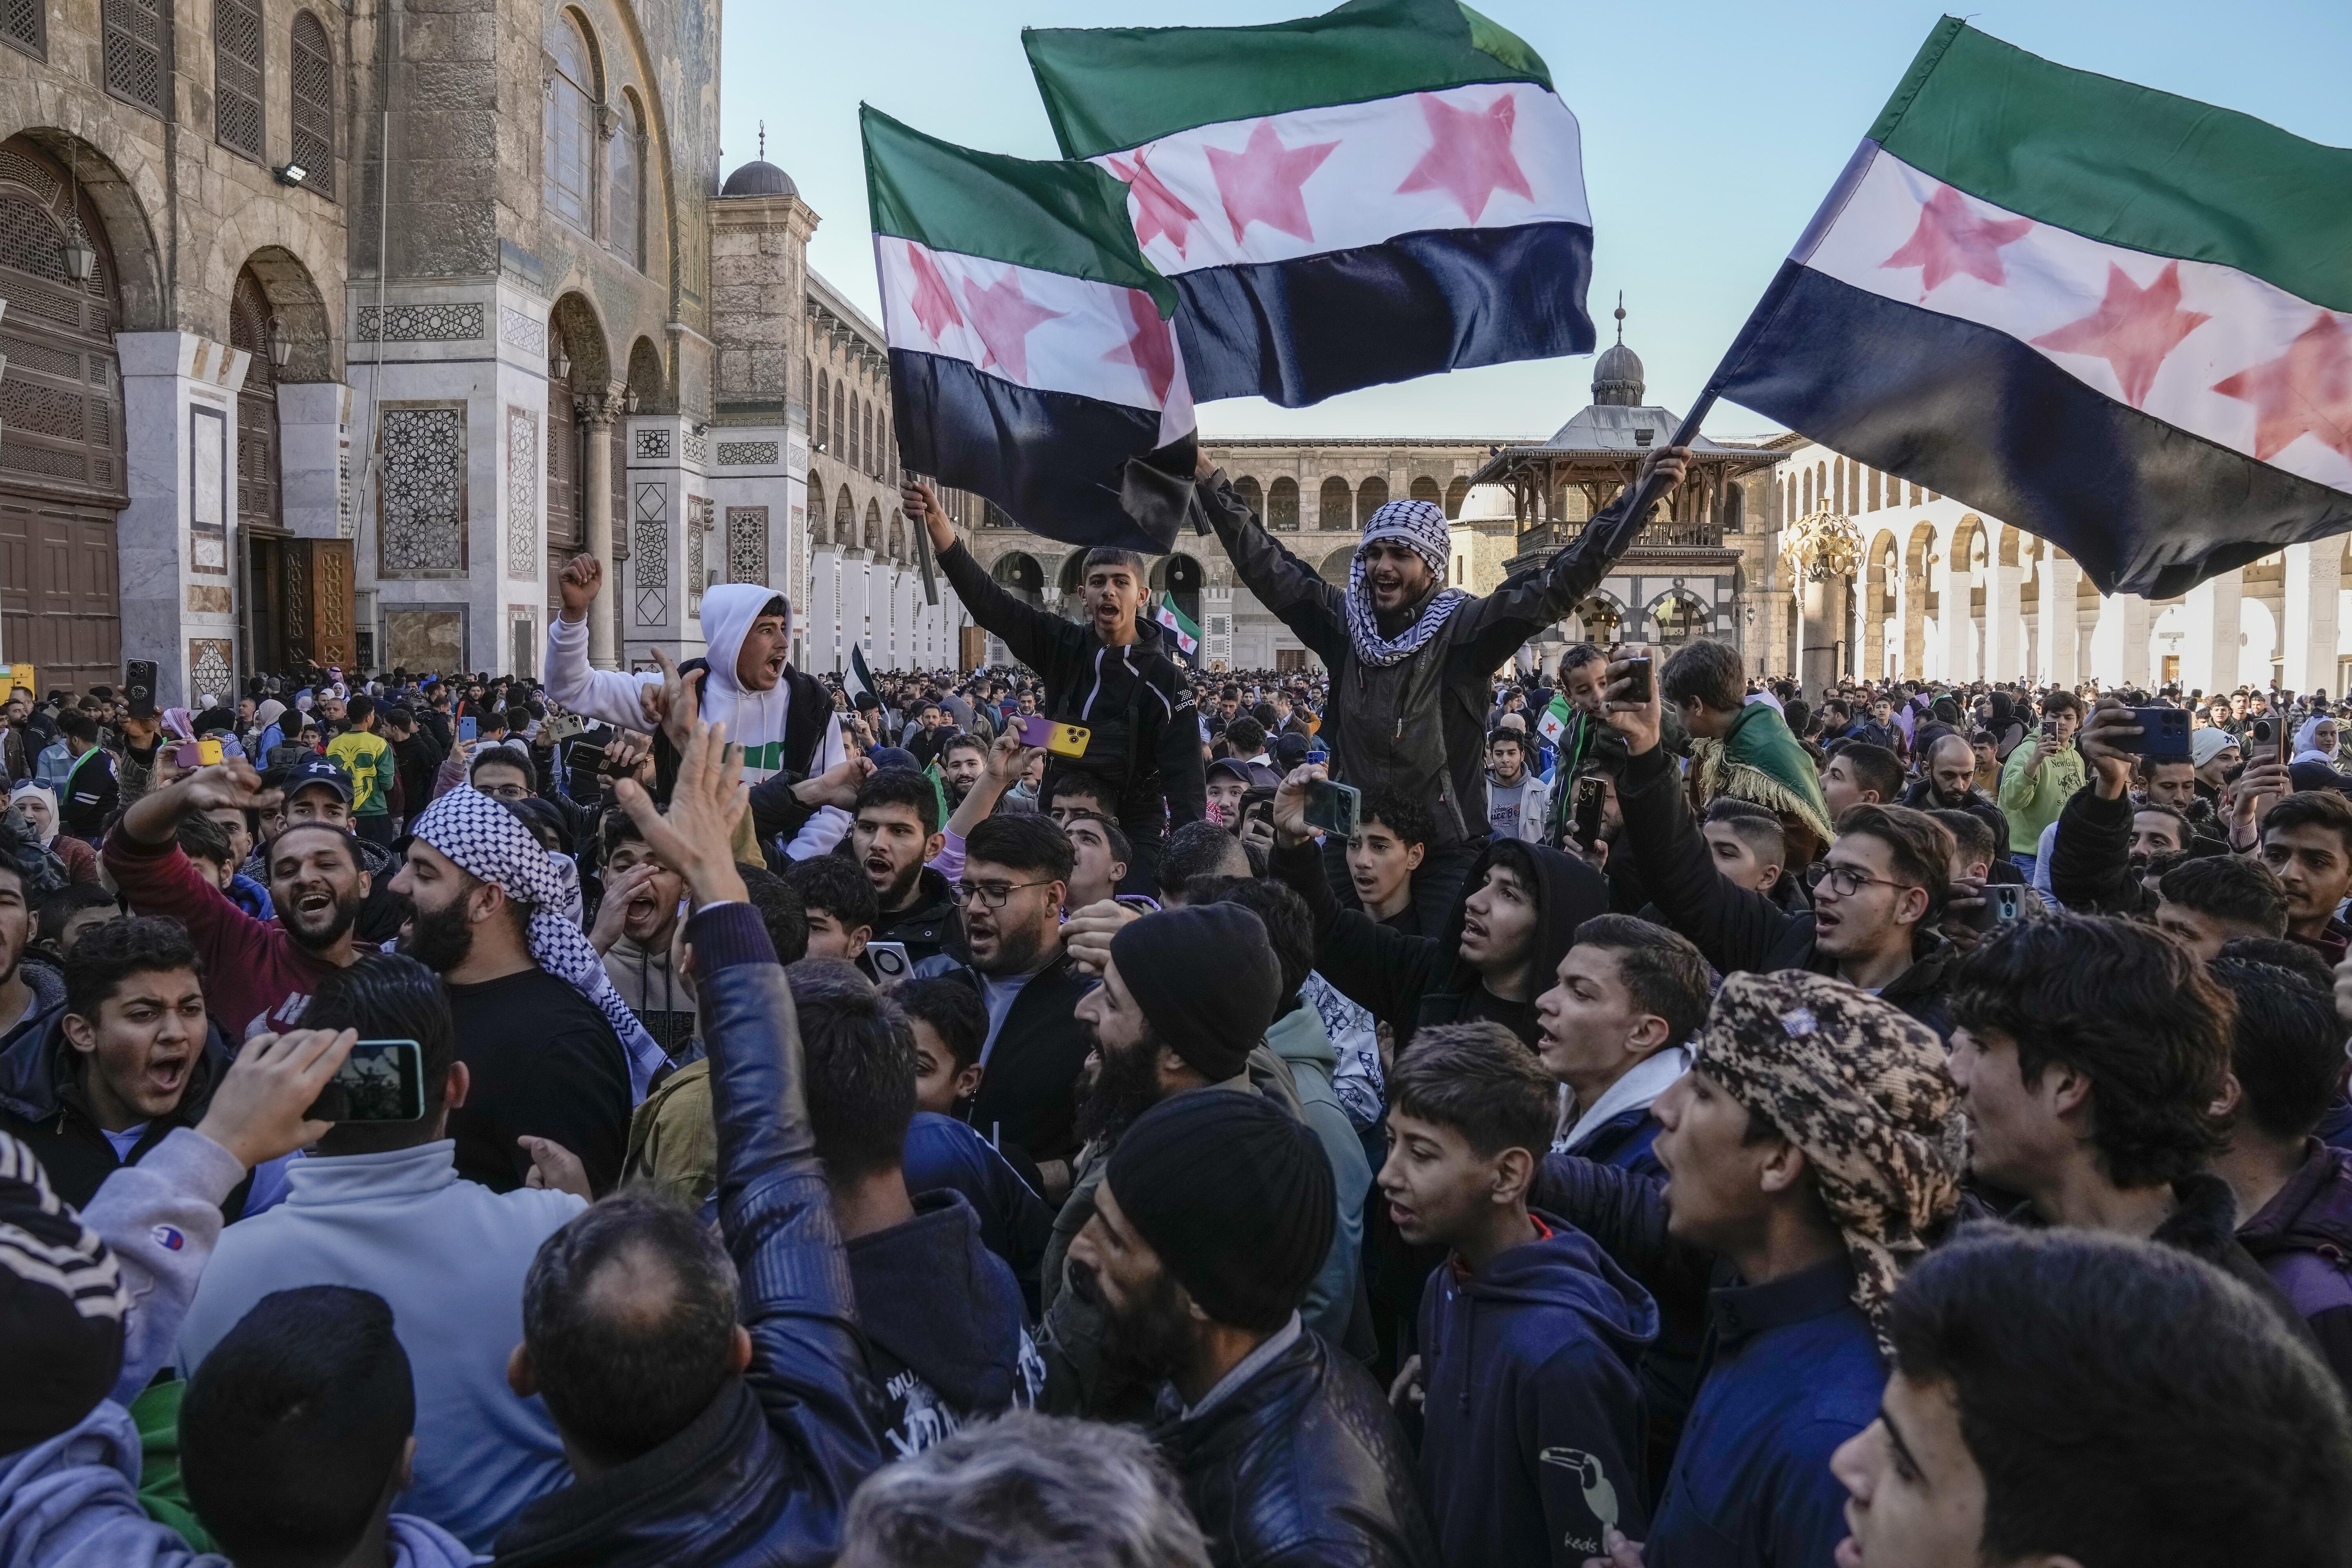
[
  {"x": 1016, "y": 872},
  {"x": 1879, "y": 892}
]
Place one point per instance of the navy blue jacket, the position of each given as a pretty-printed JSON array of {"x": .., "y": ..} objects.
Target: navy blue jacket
[
  {"x": 1532, "y": 1424},
  {"x": 1790, "y": 1372},
  {"x": 1014, "y": 1223},
  {"x": 1625, "y": 1141},
  {"x": 764, "y": 1474}
]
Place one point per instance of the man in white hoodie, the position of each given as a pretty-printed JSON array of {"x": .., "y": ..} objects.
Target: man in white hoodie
[
  {"x": 1518, "y": 802},
  {"x": 783, "y": 718}
]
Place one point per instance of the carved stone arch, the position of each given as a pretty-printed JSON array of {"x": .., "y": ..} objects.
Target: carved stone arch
[
  {"x": 1455, "y": 494},
  {"x": 2009, "y": 552},
  {"x": 294, "y": 299},
  {"x": 871, "y": 537},
  {"x": 645, "y": 75},
  {"x": 1600, "y": 618},
  {"x": 1425, "y": 487},
  {"x": 1071, "y": 578},
  {"x": 1282, "y": 506},
  {"x": 1017, "y": 571},
  {"x": 844, "y": 519},
  {"x": 1914, "y": 595},
  {"x": 116, "y": 208},
  {"x": 1371, "y": 496},
  {"x": 1882, "y": 575},
  {"x": 1679, "y": 616},
  {"x": 1252, "y": 497},
  {"x": 649, "y": 379},
  {"x": 1335, "y": 508},
  {"x": 576, "y": 323}
]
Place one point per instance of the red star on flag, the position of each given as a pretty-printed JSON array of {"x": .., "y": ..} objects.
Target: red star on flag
[
  {"x": 934, "y": 302},
  {"x": 1470, "y": 155},
  {"x": 1263, "y": 183},
  {"x": 1953, "y": 237},
  {"x": 2133, "y": 329},
  {"x": 1158, "y": 209},
  {"x": 1152, "y": 349},
  {"x": 2306, "y": 391},
  {"x": 1004, "y": 317}
]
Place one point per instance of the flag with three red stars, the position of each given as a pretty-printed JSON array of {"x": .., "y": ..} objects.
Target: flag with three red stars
[
  {"x": 1385, "y": 190},
  {"x": 2114, "y": 318},
  {"x": 1031, "y": 356}
]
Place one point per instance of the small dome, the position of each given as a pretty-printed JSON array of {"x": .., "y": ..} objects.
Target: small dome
[
  {"x": 1487, "y": 503},
  {"x": 759, "y": 178},
  {"x": 1617, "y": 377}
]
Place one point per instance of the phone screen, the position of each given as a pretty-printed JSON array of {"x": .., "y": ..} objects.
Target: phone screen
[
  {"x": 468, "y": 728},
  {"x": 381, "y": 1080},
  {"x": 890, "y": 960}
]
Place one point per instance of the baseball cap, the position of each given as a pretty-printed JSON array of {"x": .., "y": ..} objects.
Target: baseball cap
[{"x": 318, "y": 770}]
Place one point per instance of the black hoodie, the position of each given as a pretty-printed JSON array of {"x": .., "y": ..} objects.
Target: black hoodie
[
  {"x": 947, "y": 1342},
  {"x": 1407, "y": 982}
]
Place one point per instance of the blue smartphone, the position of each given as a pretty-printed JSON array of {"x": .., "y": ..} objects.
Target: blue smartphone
[{"x": 467, "y": 729}]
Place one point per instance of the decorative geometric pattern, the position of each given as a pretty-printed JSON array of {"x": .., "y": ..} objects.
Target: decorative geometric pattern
[
  {"x": 698, "y": 510},
  {"x": 517, "y": 327},
  {"x": 208, "y": 665},
  {"x": 420, "y": 323},
  {"x": 135, "y": 34},
  {"x": 237, "y": 75},
  {"x": 649, "y": 550},
  {"x": 523, "y": 492},
  {"x": 651, "y": 445},
  {"x": 313, "y": 142},
  {"x": 697, "y": 449},
  {"x": 424, "y": 489},
  {"x": 744, "y": 454},
  {"x": 747, "y": 543}
]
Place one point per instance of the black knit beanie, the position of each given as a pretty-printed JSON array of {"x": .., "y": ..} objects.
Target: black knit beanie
[
  {"x": 61, "y": 1306},
  {"x": 1234, "y": 1197},
  {"x": 1206, "y": 980}
]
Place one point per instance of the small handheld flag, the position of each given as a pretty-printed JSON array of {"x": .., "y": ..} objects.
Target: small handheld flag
[
  {"x": 858, "y": 678},
  {"x": 1555, "y": 721},
  {"x": 1180, "y": 626}
]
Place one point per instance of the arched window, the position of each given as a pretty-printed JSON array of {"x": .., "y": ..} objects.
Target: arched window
[
  {"x": 571, "y": 123},
  {"x": 1247, "y": 489},
  {"x": 1371, "y": 496},
  {"x": 844, "y": 517},
  {"x": 1455, "y": 494},
  {"x": 859, "y": 430},
  {"x": 873, "y": 455},
  {"x": 1425, "y": 488},
  {"x": 236, "y": 77},
  {"x": 1282, "y": 506},
  {"x": 1680, "y": 619},
  {"x": 1332, "y": 513},
  {"x": 819, "y": 427},
  {"x": 312, "y": 145},
  {"x": 628, "y": 225},
  {"x": 808, "y": 383},
  {"x": 840, "y": 420}
]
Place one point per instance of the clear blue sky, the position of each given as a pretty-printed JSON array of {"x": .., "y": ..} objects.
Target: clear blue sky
[{"x": 1711, "y": 131}]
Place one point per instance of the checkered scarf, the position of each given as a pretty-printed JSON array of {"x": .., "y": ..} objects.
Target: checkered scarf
[
  {"x": 1419, "y": 526},
  {"x": 1863, "y": 1091},
  {"x": 487, "y": 841}
]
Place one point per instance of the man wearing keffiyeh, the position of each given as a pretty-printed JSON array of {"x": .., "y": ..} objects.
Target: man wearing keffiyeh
[
  {"x": 553, "y": 1049},
  {"x": 1412, "y": 658}
]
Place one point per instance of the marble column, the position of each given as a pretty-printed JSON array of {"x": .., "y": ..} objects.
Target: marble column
[
  {"x": 177, "y": 538},
  {"x": 314, "y": 442},
  {"x": 2210, "y": 654},
  {"x": 2120, "y": 642},
  {"x": 596, "y": 476},
  {"x": 1956, "y": 619},
  {"x": 2061, "y": 581},
  {"x": 2004, "y": 636},
  {"x": 2313, "y": 574}
]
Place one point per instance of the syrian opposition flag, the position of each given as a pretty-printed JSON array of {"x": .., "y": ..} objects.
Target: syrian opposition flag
[
  {"x": 1179, "y": 626},
  {"x": 1386, "y": 191},
  {"x": 858, "y": 680},
  {"x": 2112, "y": 317},
  {"x": 1031, "y": 357},
  {"x": 1555, "y": 721}
]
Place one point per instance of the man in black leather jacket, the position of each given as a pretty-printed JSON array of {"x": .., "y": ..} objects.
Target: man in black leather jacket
[
  {"x": 702, "y": 1429},
  {"x": 1286, "y": 1450}
]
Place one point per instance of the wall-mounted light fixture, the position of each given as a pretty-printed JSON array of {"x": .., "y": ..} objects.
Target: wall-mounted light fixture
[{"x": 290, "y": 174}]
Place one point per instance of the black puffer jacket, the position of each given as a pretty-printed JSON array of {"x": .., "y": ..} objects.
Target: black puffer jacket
[
  {"x": 1418, "y": 725},
  {"x": 764, "y": 1474},
  {"x": 1303, "y": 1465}
]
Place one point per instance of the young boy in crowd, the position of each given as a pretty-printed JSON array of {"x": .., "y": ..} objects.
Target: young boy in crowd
[
  {"x": 1532, "y": 1443},
  {"x": 840, "y": 903},
  {"x": 1392, "y": 839},
  {"x": 1747, "y": 842},
  {"x": 949, "y": 1022}
]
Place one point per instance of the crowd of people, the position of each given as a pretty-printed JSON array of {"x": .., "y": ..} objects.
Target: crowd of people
[{"x": 1680, "y": 1120}]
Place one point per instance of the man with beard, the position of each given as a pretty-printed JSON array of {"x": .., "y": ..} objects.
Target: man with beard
[
  {"x": 1016, "y": 873},
  {"x": 1949, "y": 783},
  {"x": 1285, "y": 1446},
  {"x": 258, "y": 974},
  {"x": 961, "y": 761},
  {"x": 894, "y": 830},
  {"x": 633, "y": 930},
  {"x": 539, "y": 1026},
  {"x": 1157, "y": 1031}
]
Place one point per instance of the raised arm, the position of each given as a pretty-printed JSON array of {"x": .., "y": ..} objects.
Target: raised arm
[
  {"x": 1313, "y": 609},
  {"x": 1381, "y": 970},
  {"x": 1505, "y": 620},
  {"x": 610, "y": 695},
  {"x": 774, "y": 1212},
  {"x": 1029, "y": 633}
]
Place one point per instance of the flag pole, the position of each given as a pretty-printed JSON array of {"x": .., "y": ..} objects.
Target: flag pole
[
  {"x": 1621, "y": 535},
  {"x": 923, "y": 557}
]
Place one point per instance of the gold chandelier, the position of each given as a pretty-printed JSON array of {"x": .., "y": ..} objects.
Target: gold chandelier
[{"x": 1822, "y": 545}]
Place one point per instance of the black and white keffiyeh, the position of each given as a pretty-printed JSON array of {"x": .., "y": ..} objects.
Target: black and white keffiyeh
[
  {"x": 1419, "y": 526},
  {"x": 486, "y": 840}
]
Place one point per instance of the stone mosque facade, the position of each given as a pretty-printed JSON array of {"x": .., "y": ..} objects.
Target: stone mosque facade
[{"x": 332, "y": 334}]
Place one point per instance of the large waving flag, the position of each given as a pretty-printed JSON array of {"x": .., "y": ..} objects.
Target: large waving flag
[
  {"x": 2114, "y": 318},
  {"x": 1031, "y": 356},
  {"x": 1383, "y": 192}
]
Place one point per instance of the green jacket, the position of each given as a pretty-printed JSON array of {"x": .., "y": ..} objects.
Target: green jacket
[{"x": 2032, "y": 804}]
